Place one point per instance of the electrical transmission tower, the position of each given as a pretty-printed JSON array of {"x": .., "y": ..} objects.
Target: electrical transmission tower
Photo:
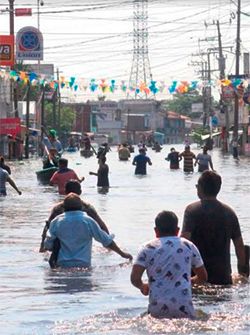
[{"x": 140, "y": 70}]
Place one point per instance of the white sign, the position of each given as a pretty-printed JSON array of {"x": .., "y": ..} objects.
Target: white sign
[{"x": 29, "y": 44}]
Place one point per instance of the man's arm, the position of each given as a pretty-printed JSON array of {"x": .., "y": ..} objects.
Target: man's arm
[
  {"x": 113, "y": 246},
  {"x": 200, "y": 275},
  {"x": 93, "y": 173},
  {"x": 12, "y": 183},
  {"x": 240, "y": 254},
  {"x": 106, "y": 240},
  {"x": 53, "y": 179},
  {"x": 211, "y": 164},
  {"x": 136, "y": 279}
]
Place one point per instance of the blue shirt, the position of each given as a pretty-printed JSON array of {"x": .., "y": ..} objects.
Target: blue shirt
[
  {"x": 141, "y": 161},
  {"x": 75, "y": 230},
  {"x": 53, "y": 145}
]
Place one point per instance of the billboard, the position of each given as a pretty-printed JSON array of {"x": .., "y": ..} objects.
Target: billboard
[
  {"x": 10, "y": 126},
  {"x": 47, "y": 70},
  {"x": 7, "y": 50},
  {"x": 29, "y": 44}
]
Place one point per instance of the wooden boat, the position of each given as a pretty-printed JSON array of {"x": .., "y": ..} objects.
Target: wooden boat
[
  {"x": 43, "y": 176},
  {"x": 86, "y": 153}
]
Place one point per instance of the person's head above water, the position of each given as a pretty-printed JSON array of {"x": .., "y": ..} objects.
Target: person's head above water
[
  {"x": 72, "y": 202},
  {"x": 73, "y": 186},
  {"x": 209, "y": 184},
  {"x": 142, "y": 151},
  {"x": 63, "y": 163},
  {"x": 166, "y": 224}
]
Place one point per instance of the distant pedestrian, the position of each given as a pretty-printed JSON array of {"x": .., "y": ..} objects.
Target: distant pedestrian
[
  {"x": 141, "y": 161},
  {"x": 174, "y": 159},
  {"x": 123, "y": 152},
  {"x": 103, "y": 150},
  {"x": 63, "y": 175},
  {"x": 188, "y": 157},
  {"x": 51, "y": 142},
  {"x": 102, "y": 173},
  {"x": 204, "y": 161}
]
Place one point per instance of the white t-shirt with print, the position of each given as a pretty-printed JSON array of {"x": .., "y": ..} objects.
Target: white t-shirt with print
[{"x": 168, "y": 262}]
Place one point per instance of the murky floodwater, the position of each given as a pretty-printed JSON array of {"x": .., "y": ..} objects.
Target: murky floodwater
[{"x": 37, "y": 300}]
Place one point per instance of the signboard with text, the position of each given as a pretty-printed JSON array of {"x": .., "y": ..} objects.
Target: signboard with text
[
  {"x": 10, "y": 126},
  {"x": 7, "y": 50},
  {"x": 29, "y": 44}
]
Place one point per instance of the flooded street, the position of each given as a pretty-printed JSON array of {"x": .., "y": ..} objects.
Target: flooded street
[{"x": 37, "y": 300}]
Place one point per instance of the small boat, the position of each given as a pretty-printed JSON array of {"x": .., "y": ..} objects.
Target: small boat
[
  {"x": 71, "y": 149},
  {"x": 86, "y": 153},
  {"x": 43, "y": 176}
]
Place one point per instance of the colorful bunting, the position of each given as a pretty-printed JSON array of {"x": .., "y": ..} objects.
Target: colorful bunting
[{"x": 104, "y": 86}]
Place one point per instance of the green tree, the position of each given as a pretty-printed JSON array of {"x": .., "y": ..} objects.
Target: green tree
[
  {"x": 66, "y": 119},
  {"x": 182, "y": 103}
]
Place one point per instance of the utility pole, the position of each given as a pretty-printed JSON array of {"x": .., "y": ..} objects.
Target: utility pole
[
  {"x": 222, "y": 66},
  {"x": 236, "y": 99},
  {"x": 13, "y": 90},
  {"x": 59, "y": 102},
  {"x": 11, "y": 13},
  {"x": 27, "y": 120}
]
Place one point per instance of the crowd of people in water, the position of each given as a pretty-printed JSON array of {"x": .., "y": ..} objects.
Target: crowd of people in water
[{"x": 174, "y": 260}]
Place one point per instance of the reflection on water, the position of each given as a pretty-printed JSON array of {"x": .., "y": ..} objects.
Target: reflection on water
[
  {"x": 73, "y": 281},
  {"x": 123, "y": 322},
  {"x": 37, "y": 300}
]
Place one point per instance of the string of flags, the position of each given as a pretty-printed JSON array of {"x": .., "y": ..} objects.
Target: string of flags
[{"x": 105, "y": 86}]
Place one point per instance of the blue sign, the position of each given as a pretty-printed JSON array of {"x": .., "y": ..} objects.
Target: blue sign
[{"x": 29, "y": 44}]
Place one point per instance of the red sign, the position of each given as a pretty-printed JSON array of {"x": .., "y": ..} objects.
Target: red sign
[
  {"x": 23, "y": 11},
  {"x": 7, "y": 50},
  {"x": 10, "y": 126}
]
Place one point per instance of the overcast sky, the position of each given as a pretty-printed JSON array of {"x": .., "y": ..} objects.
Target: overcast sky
[{"x": 94, "y": 38}]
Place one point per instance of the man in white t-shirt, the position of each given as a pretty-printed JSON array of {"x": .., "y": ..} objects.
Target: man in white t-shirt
[{"x": 168, "y": 260}]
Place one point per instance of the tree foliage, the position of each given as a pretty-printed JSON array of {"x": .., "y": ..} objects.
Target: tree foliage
[
  {"x": 67, "y": 117},
  {"x": 182, "y": 103}
]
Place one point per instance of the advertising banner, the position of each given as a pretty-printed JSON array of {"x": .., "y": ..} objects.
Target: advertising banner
[
  {"x": 23, "y": 12},
  {"x": 7, "y": 50},
  {"x": 29, "y": 44},
  {"x": 10, "y": 126}
]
